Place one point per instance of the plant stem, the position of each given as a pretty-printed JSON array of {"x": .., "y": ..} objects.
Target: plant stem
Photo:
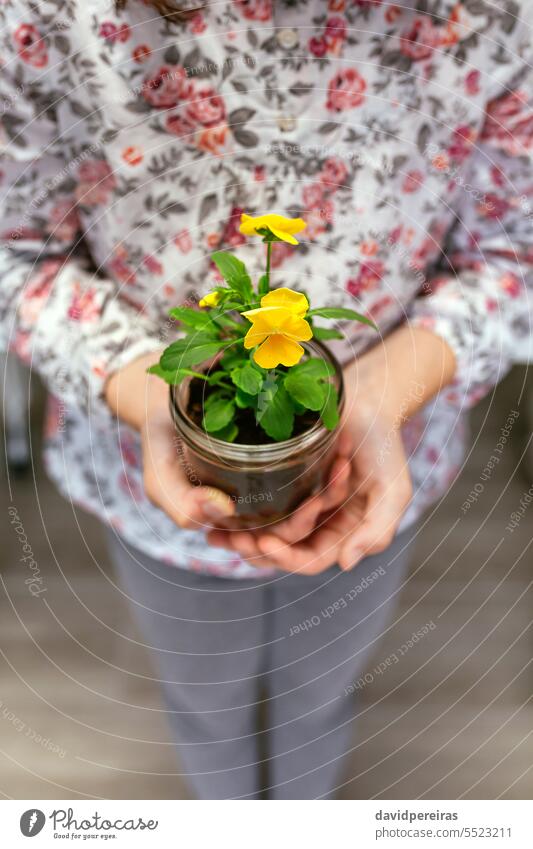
[{"x": 269, "y": 256}]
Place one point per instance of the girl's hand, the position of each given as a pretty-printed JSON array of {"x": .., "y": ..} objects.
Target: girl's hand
[
  {"x": 141, "y": 400},
  {"x": 371, "y": 492},
  {"x": 361, "y": 509}
]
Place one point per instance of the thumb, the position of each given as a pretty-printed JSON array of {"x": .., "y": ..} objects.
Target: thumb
[
  {"x": 375, "y": 533},
  {"x": 213, "y": 503}
]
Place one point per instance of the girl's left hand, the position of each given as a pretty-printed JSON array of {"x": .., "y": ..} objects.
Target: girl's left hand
[
  {"x": 357, "y": 515},
  {"x": 360, "y": 510}
]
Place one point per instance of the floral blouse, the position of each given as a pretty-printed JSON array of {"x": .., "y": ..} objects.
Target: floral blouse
[{"x": 402, "y": 133}]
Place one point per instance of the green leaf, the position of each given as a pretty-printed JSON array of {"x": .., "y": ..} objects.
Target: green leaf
[
  {"x": 340, "y": 313},
  {"x": 315, "y": 367},
  {"x": 325, "y": 333},
  {"x": 189, "y": 351},
  {"x": 263, "y": 285},
  {"x": 243, "y": 400},
  {"x": 307, "y": 390},
  {"x": 194, "y": 318},
  {"x": 228, "y": 433},
  {"x": 217, "y": 395},
  {"x": 174, "y": 377},
  {"x": 277, "y": 416},
  {"x": 218, "y": 414},
  {"x": 330, "y": 411},
  {"x": 216, "y": 378},
  {"x": 299, "y": 409},
  {"x": 247, "y": 378},
  {"x": 235, "y": 274},
  {"x": 233, "y": 357}
]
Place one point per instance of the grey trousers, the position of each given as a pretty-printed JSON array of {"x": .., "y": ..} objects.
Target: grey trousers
[{"x": 292, "y": 644}]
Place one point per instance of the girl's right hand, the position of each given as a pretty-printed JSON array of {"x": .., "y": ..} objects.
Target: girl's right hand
[{"x": 141, "y": 400}]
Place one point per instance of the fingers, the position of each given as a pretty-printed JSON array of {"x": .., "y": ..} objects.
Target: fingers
[
  {"x": 243, "y": 543},
  {"x": 310, "y": 557},
  {"x": 384, "y": 509},
  {"x": 304, "y": 519},
  {"x": 167, "y": 486}
]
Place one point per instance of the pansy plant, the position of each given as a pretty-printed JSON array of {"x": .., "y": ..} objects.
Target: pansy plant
[{"x": 252, "y": 338}]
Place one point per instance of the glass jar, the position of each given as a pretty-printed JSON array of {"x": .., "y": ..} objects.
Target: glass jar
[{"x": 266, "y": 482}]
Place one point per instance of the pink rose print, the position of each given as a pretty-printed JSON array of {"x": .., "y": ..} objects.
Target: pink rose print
[
  {"x": 497, "y": 176},
  {"x": 420, "y": 40},
  {"x": 31, "y": 47},
  {"x": 113, "y": 33},
  {"x": 378, "y": 308},
  {"x": 462, "y": 143},
  {"x": 369, "y": 275},
  {"x": 231, "y": 235},
  {"x": 167, "y": 87},
  {"x": 207, "y": 108},
  {"x": 153, "y": 265},
  {"x": 335, "y": 34},
  {"x": 84, "y": 305},
  {"x": 141, "y": 53},
  {"x": 197, "y": 24},
  {"x": 255, "y": 10},
  {"x": 318, "y": 220},
  {"x": 213, "y": 139},
  {"x": 37, "y": 291},
  {"x": 119, "y": 266},
  {"x": 96, "y": 182},
  {"x": 181, "y": 126},
  {"x": 510, "y": 123},
  {"x": 331, "y": 40},
  {"x": 183, "y": 241},
  {"x": 333, "y": 174},
  {"x": 63, "y": 223},
  {"x": 511, "y": 285},
  {"x": 412, "y": 182},
  {"x": 281, "y": 251},
  {"x": 318, "y": 46},
  {"x": 472, "y": 83},
  {"x": 21, "y": 345},
  {"x": 346, "y": 90},
  {"x": 313, "y": 196},
  {"x": 493, "y": 206}
]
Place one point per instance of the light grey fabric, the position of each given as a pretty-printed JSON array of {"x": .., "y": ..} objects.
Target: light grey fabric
[{"x": 297, "y": 642}]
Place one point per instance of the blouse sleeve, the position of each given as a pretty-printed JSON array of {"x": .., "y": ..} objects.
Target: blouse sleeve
[
  {"x": 482, "y": 304},
  {"x": 71, "y": 325}
]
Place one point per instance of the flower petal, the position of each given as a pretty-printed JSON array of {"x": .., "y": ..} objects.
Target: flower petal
[
  {"x": 282, "y": 227},
  {"x": 248, "y": 225},
  {"x": 295, "y": 327},
  {"x": 284, "y": 237},
  {"x": 288, "y": 298},
  {"x": 278, "y": 350},
  {"x": 270, "y": 318},
  {"x": 254, "y": 337}
]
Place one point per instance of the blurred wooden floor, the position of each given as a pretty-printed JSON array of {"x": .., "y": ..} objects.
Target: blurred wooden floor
[{"x": 81, "y": 717}]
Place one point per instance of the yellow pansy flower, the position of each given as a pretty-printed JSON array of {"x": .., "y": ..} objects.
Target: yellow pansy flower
[
  {"x": 277, "y": 327},
  {"x": 210, "y": 300},
  {"x": 281, "y": 227}
]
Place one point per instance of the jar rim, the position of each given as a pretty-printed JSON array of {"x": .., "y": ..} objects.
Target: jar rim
[{"x": 196, "y": 436}]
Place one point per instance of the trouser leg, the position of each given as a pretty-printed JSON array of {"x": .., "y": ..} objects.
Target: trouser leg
[
  {"x": 207, "y": 636},
  {"x": 329, "y": 626}
]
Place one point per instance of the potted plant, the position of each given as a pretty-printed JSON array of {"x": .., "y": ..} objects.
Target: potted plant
[{"x": 255, "y": 394}]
